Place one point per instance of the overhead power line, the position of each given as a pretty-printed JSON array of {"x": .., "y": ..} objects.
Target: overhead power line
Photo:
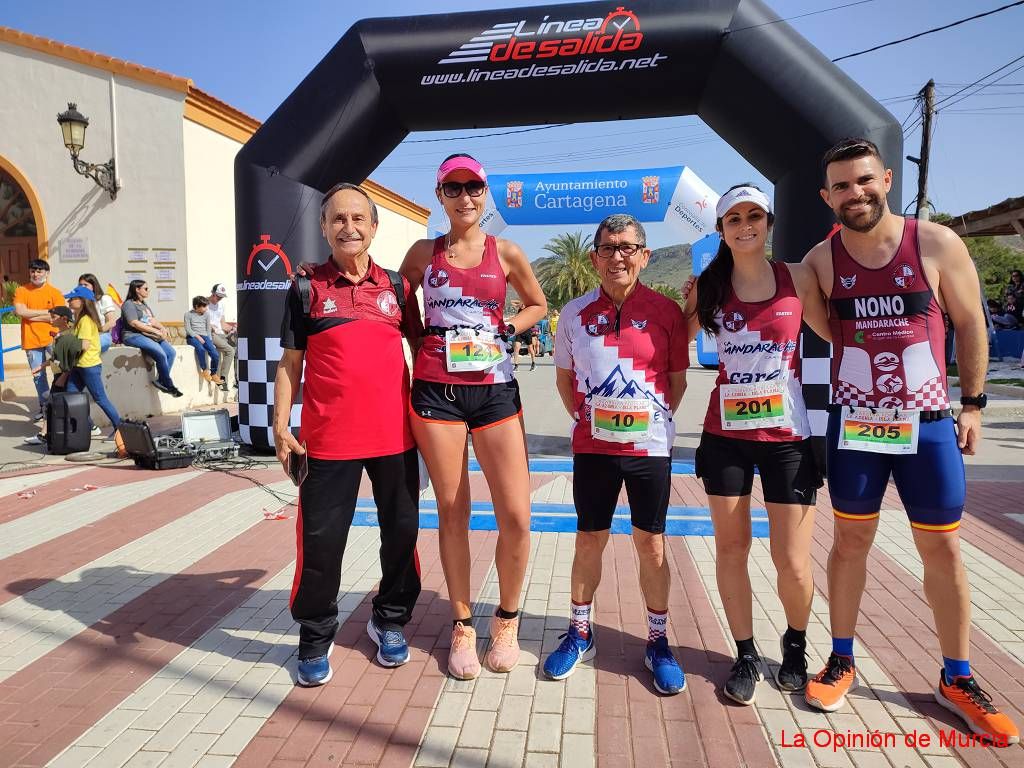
[
  {"x": 800, "y": 16},
  {"x": 930, "y": 31}
]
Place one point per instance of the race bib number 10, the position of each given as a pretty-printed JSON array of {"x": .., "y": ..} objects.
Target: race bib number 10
[
  {"x": 879, "y": 430},
  {"x": 620, "y": 419},
  {"x": 469, "y": 350},
  {"x": 753, "y": 406}
]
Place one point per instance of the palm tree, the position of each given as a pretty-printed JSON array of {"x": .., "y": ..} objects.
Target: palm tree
[{"x": 568, "y": 273}]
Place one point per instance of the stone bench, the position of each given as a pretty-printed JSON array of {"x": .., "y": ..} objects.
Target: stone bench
[{"x": 127, "y": 374}]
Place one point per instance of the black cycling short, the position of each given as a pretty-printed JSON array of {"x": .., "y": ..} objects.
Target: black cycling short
[
  {"x": 597, "y": 479},
  {"x": 789, "y": 473},
  {"x": 478, "y": 406},
  {"x": 525, "y": 338}
]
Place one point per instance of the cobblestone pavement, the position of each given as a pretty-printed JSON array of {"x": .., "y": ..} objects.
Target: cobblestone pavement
[{"x": 144, "y": 622}]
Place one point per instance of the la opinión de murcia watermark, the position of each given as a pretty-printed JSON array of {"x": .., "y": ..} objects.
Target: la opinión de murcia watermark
[{"x": 881, "y": 740}]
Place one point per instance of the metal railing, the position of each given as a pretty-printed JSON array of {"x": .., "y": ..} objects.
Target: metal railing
[{"x": 5, "y": 350}]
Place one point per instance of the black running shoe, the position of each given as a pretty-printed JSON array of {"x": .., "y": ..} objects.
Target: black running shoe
[
  {"x": 792, "y": 674},
  {"x": 743, "y": 679}
]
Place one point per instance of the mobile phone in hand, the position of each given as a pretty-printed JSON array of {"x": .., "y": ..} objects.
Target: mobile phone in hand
[{"x": 298, "y": 466}]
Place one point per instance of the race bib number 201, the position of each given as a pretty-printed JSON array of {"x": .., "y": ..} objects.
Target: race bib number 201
[
  {"x": 753, "y": 406},
  {"x": 879, "y": 430}
]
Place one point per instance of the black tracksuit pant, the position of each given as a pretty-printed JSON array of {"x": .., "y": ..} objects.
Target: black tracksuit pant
[{"x": 327, "y": 501}]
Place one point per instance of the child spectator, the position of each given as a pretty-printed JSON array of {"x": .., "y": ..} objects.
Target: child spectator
[
  {"x": 106, "y": 308},
  {"x": 88, "y": 373},
  {"x": 66, "y": 349},
  {"x": 199, "y": 336}
]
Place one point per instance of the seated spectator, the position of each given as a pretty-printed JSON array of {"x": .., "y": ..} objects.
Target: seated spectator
[
  {"x": 144, "y": 331},
  {"x": 66, "y": 349},
  {"x": 225, "y": 333},
  {"x": 994, "y": 307},
  {"x": 1010, "y": 317},
  {"x": 1016, "y": 286},
  {"x": 108, "y": 310},
  {"x": 88, "y": 371},
  {"x": 199, "y": 336}
]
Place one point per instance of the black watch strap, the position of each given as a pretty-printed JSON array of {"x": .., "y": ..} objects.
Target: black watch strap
[{"x": 980, "y": 400}]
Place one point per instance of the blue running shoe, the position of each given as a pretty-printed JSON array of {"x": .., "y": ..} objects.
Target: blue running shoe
[
  {"x": 668, "y": 675},
  {"x": 392, "y": 650},
  {"x": 315, "y": 671},
  {"x": 574, "y": 649}
]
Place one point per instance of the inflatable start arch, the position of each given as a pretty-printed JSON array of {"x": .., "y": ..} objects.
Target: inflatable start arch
[{"x": 748, "y": 75}]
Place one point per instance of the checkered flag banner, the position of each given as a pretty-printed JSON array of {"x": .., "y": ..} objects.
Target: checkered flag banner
[{"x": 257, "y": 367}]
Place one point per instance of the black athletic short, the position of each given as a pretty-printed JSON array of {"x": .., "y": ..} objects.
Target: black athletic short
[
  {"x": 478, "y": 406},
  {"x": 789, "y": 473},
  {"x": 525, "y": 338},
  {"x": 597, "y": 479}
]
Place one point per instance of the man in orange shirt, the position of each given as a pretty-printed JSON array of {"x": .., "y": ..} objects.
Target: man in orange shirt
[{"x": 32, "y": 303}]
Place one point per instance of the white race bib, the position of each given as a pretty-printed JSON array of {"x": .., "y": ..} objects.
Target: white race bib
[
  {"x": 468, "y": 350},
  {"x": 754, "y": 406},
  {"x": 620, "y": 419},
  {"x": 879, "y": 430}
]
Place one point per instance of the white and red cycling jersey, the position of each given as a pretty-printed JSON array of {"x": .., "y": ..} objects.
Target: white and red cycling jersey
[{"x": 625, "y": 352}]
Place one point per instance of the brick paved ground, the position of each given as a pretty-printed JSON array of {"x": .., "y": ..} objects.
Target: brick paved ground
[{"x": 145, "y": 623}]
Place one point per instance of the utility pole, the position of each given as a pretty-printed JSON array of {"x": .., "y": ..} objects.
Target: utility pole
[{"x": 927, "y": 95}]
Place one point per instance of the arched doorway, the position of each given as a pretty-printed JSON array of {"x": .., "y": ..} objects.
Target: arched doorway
[{"x": 22, "y": 226}]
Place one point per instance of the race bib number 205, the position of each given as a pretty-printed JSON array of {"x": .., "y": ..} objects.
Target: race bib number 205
[{"x": 879, "y": 430}]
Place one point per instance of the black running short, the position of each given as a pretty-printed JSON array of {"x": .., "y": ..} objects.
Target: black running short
[
  {"x": 478, "y": 406},
  {"x": 597, "y": 479},
  {"x": 525, "y": 338},
  {"x": 789, "y": 473}
]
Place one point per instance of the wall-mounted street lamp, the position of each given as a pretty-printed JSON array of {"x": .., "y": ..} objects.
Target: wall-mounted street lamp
[{"x": 73, "y": 124}]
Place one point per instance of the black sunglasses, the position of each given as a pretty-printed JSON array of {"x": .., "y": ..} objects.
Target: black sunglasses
[{"x": 454, "y": 189}]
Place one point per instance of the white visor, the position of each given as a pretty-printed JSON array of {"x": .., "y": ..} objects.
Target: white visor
[{"x": 742, "y": 195}]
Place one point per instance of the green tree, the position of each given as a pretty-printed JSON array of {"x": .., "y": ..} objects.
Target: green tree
[
  {"x": 567, "y": 273},
  {"x": 668, "y": 291},
  {"x": 993, "y": 260}
]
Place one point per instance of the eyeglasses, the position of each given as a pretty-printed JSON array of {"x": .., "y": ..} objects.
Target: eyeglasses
[
  {"x": 607, "y": 250},
  {"x": 454, "y": 189}
]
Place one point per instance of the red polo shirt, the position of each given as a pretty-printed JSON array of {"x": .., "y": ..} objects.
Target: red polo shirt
[{"x": 355, "y": 391}]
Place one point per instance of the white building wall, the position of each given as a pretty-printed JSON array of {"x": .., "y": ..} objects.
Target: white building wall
[
  {"x": 149, "y": 211},
  {"x": 395, "y": 233},
  {"x": 210, "y": 212}
]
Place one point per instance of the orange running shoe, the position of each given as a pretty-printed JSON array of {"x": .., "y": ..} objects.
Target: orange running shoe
[
  {"x": 966, "y": 698},
  {"x": 828, "y": 689},
  {"x": 463, "y": 663},
  {"x": 503, "y": 654}
]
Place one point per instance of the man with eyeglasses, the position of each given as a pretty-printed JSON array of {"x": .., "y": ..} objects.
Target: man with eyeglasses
[
  {"x": 32, "y": 303},
  {"x": 621, "y": 354}
]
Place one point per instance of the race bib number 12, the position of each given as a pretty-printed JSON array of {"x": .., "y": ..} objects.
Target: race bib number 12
[
  {"x": 879, "y": 430},
  {"x": 469, "y": 350}
]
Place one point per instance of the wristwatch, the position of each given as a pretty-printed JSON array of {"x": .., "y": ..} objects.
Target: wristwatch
[{"x": 979, "y": 400}]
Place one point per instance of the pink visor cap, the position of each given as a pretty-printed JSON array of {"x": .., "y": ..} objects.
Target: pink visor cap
[{"x": 460, "y": 163}]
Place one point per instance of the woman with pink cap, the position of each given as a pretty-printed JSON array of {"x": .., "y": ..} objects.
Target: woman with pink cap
[{"x": 463, "y": 385}]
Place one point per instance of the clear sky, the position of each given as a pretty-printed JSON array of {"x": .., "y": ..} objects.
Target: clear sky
[{"x": 252, "y": 54}]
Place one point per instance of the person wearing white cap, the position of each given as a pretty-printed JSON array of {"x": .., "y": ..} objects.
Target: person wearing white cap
[
  {"x": 225, "y": 336},
  {"x": 463, "y": 383},
  {"x": 756, "y": 419}
]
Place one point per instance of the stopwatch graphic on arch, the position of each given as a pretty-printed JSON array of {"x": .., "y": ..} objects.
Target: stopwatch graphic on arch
[
  {"x": 627, "y": 17},
  {"x": 275, "y": 253}
]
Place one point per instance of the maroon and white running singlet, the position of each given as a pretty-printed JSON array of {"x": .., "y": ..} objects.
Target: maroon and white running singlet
[
  {"x": 620, "y": 361},
  {"x": 887, "y": 332},
  {"x": 462, "y": 298},
  {"x": 758, "y": 385}
]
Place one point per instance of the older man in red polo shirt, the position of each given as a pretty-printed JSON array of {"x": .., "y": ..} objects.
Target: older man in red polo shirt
[{"x": 355, "y": 405}]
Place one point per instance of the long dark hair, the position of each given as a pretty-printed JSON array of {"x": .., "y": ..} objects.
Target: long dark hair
[
  {"x": 715, "y": 282},
  {"x": 88, "y": 308},
  {"x": 133, "y": 289},
  {"x": 94, "y": 283}
]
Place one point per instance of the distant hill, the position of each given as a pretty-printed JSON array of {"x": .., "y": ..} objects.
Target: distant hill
[{"x": 670, "y": 265}]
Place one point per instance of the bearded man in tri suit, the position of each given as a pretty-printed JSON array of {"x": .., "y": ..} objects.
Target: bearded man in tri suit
[{"x": 888, "y": 281}]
